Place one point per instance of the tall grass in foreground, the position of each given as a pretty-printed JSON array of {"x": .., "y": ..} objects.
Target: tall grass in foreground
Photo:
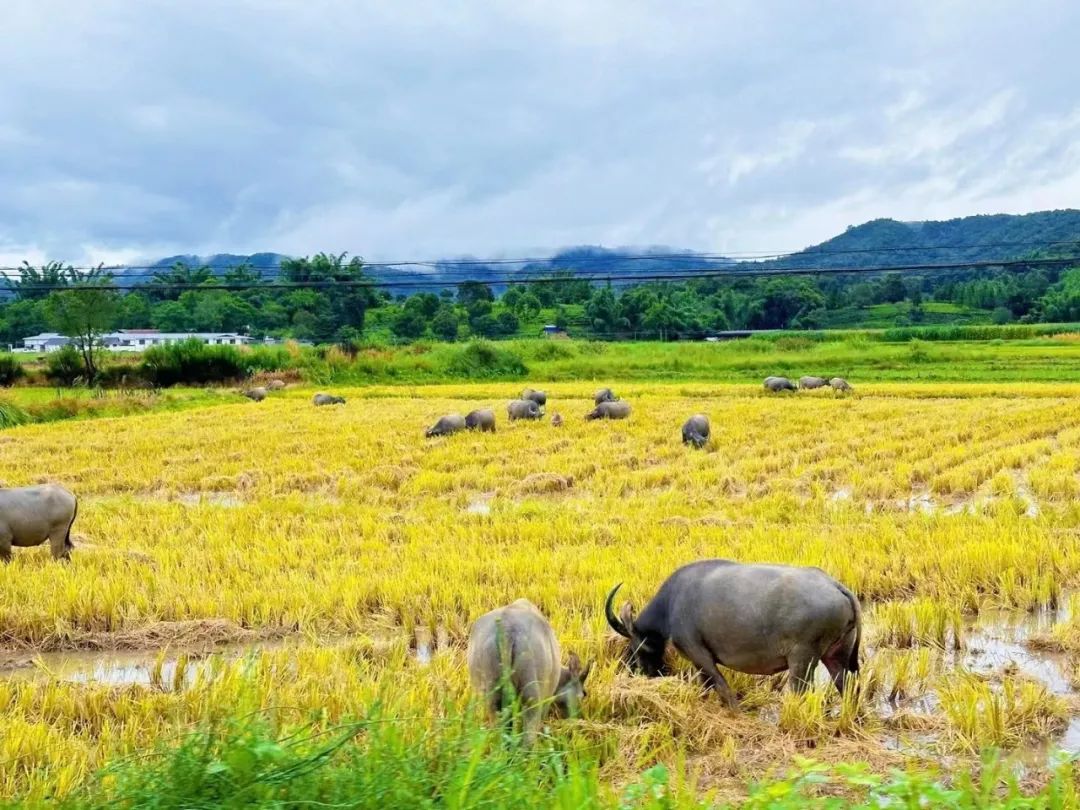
[{"x": 380, "y": 761}]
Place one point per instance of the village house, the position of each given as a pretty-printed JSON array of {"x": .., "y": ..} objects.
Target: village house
[{"x": 134, "y": 340}]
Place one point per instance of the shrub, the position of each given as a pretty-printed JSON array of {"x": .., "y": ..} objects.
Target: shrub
[
  {"x": 11, "y": 415},
  {"x": 11, "y": 371},
  {"x": 192, "y": 362},
  {"x": 64, "y": 367},
  {"x": 480, "y": 359},
  {"x": 552, "y": 350}
]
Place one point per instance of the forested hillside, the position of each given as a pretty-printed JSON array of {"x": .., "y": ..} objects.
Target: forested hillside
[{"x": 591, "y": 291}]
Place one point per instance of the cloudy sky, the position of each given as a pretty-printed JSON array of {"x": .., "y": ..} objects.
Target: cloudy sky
[{"x": 396, "y": 130}]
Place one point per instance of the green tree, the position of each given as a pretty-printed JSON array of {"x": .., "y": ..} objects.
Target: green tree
[
  {"x": 20, "y": 319},
  {"x": 346, "y": 294},
  {"x": 35, "y": 283},
  {"x": 83, "y": 313},
  {"x": 170, "y": 316},
  {"x": 472, "y": 292},
  {"x": 602, "y": 310},
  {"x": 170, "y": 284},
  {"x": 508, "y": 323},
  {"x": 445, "y": 324},
  {"x": 409, "y": 323}
]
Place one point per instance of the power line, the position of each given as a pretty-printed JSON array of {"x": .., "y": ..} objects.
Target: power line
[
  {"x": 735, "y": 272},
  {"x": 593, "y": 258}
]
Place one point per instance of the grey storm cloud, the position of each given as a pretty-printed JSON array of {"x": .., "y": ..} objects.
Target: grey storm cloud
[{"x": 427, "y": 129}]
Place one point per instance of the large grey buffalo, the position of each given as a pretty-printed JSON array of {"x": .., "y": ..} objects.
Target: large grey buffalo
[
  {"x": 523, "y": 409},
  {"x": 31, "y": 515},
  {"x": 604, "y": 395},
  {"x": 328, "y": 399},
  {"x": 482, "y": 420},
  {"x": 515, "y": 646},
  {"x": 695, "y": 430},
  {"x": 451, "y": 423},
  {"x": 539, "y": 397},
  {"x": 758, "y": 619},
  {"x": 610, "y": 410},
  {"x": 840, "y": 384},
  {"x": 810, "y": 383},
  {"x": 776, "y": 384},
  {"x": 256, "y": 394}
]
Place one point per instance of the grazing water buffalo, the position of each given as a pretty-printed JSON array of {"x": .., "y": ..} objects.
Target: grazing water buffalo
[
  {"x": 556, "y": 419},
  {"x": 328, "y": 399},
  {"x": 256, "y": 394},
  {"x": 451, "y": 423},
  {"x": 516, "y": 642},
  {"x": 483, "y": 420},
  {"x": 776, "y": 384},
  {"x": 810, "y": 383},
  {"x": 276, "y": 385},
  {"x": 695, "y": 430},
  {"x": 604, "y": 395},
  {"x": 610, "y": 410},
  {"x": 758, "y": 619},
  {"x": 839, "y": 384},
  {"x": 539, "y": 397},
  {"x": 31, "y": 515},
  {"x": 523, "y": 409}
]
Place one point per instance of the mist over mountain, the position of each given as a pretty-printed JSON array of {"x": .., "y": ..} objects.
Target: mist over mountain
[{"x": 878, "y": 243}]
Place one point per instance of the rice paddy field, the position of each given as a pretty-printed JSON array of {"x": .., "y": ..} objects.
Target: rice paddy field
[{"x": 311, "y": 566}]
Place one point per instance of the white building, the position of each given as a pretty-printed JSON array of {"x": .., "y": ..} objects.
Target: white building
[{"x": 135, "y": 340}]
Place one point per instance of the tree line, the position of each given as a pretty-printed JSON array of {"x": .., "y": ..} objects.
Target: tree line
[{"x": 342, "y": 308}]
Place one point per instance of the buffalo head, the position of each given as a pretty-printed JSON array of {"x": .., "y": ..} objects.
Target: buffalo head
[{"x": 645, "y": 651}]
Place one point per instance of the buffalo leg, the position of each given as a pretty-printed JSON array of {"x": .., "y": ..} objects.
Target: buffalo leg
[
  {"x": 58, "y": 543},
  {"x": 532, "y": 712},
  {"x": 801, "y": 665},
  {"x": 5, "y": 546},
  {"x": 710, "y": 675},
  {"x": 838, "y": 673}
]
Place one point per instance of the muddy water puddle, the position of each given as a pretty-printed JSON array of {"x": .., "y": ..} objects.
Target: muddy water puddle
[
  {"x": 995, "y": 644},
  {"x": 142, "y": 668}
]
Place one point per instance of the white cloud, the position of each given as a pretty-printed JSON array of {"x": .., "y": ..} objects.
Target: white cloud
[{"x": 422, "y": 128}]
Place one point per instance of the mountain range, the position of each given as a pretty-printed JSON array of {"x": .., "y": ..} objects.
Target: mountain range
[{"x": 878, "y": 243}]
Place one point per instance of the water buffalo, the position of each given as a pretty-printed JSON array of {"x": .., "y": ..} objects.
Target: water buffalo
[
  {"x": 539, "y": 397},
  {"x": 839, "y": 384},
  {"x": 451, "y": 423},
  {"x": 695, "y": 430},
  {"x": 517, "y": 643},
  {"x": 758, "y": 619},
  {"x": 483, "y": 420},
  {"x": 276, "y": 385},
  {"x": 810, "y": 383},
  {"x": 523, "y": 409},
  {"x": 31, "y": 515},
  {"x": 776, "y": 384},
  {"x": 604, "y": 395},
  {"x": 328, "y": 399},
  {"x": 256, "y": 394},
  {"x": 610, "y": 410},
  {"x": 556, "y": 419}
]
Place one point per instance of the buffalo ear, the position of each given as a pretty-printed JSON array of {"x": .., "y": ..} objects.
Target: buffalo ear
[{"x": 626, "y": 616}]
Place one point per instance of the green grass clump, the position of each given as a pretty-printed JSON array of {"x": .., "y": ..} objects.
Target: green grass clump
[{"x": 381, "y": 761}]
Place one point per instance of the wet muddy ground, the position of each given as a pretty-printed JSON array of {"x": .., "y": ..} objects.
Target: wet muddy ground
[{"x": 994, "y": 645}]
